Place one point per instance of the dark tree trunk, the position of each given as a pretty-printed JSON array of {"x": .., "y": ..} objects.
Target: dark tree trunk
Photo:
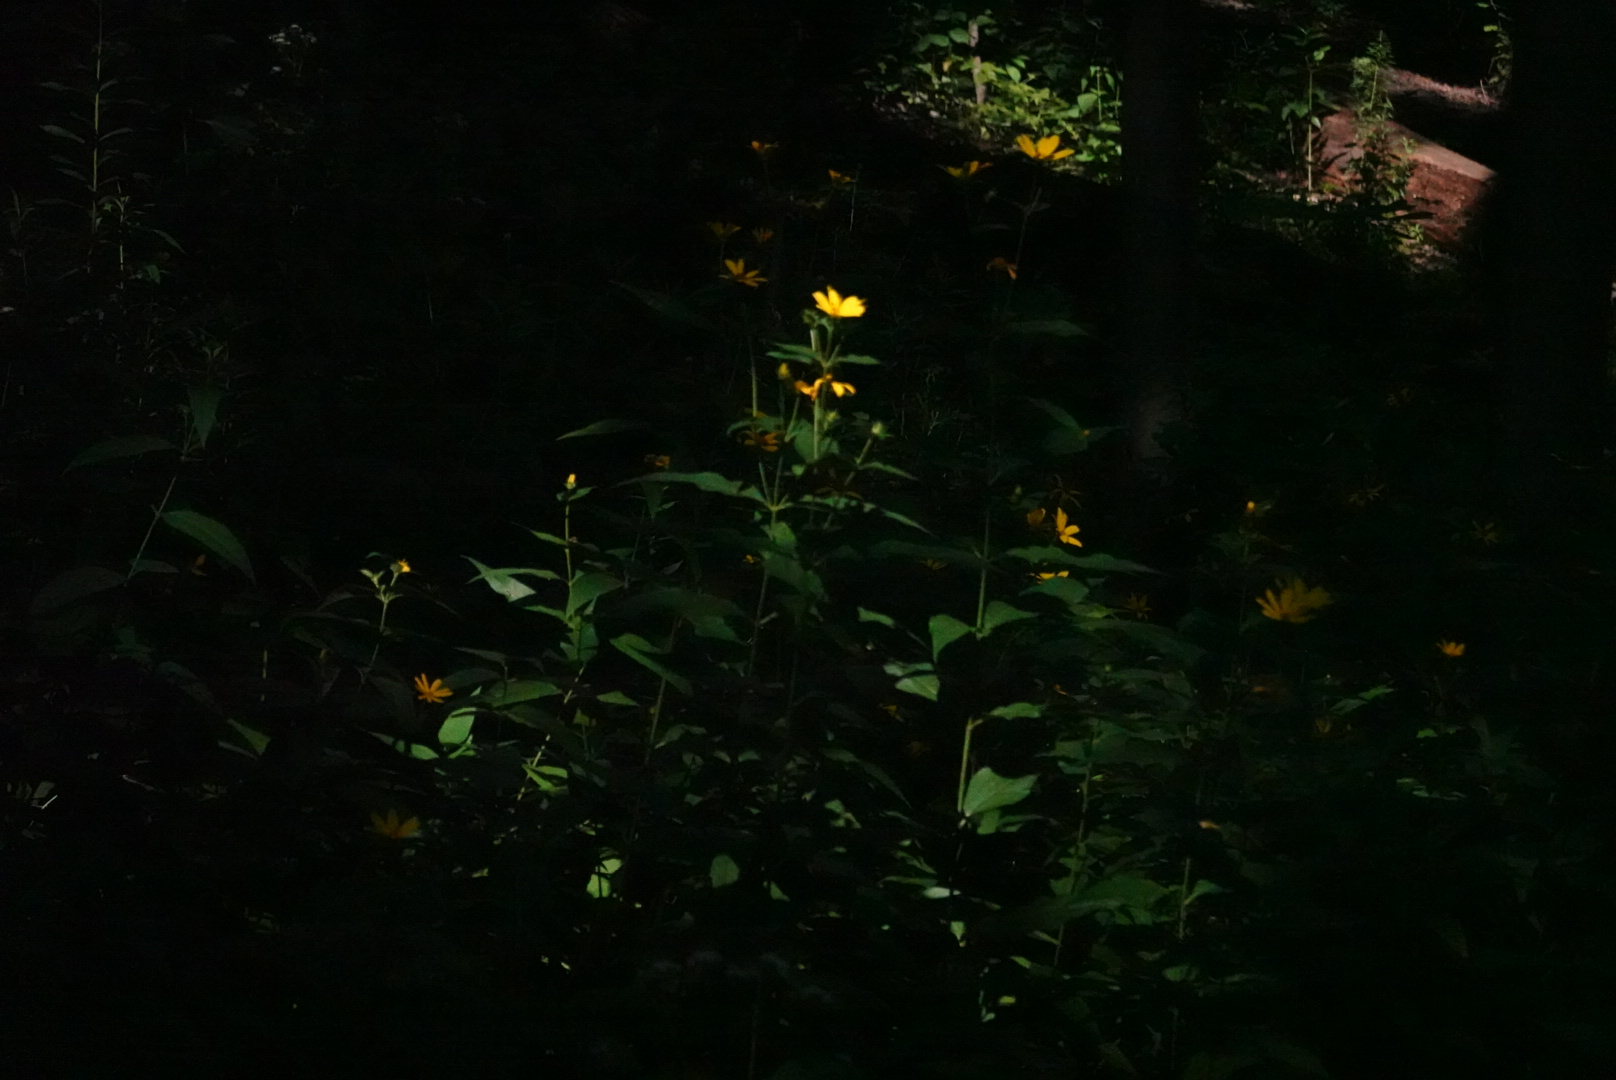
[
  {"x": 1552, "y": 260},
  {"x": 1160, "y": 174}
]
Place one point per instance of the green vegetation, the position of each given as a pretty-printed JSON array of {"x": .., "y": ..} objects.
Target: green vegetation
[{"x": 468, "y": 615}]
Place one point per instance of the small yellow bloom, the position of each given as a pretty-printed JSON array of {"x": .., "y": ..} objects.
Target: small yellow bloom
[
  {"x": 767, "y": 441},
  {"x": 783, "y": 372},
  {"x": 392, "y": 828},
  {"x": 764, "y": 149},
  {"x": 572, "y": 480},
  {"x": 999, "y": 262},
  {"x": 1454, "y": 649},
  {"x": 1485, "y": 532},
  {"x": 658, "y": 461},
  {"x": 431, "y": 692},
  {"x": 839, "y": 178},
  {"x": 1136, "y": 605},
  {"x": 196, "y": 566},
  {"x": 738, "y": 273},
  {"x": 1052, "y": 574},
  {"x": 403, "y": 566},
  {"x": 1366, "y": 495},
  {"x": 837, "y": 306},
  {"x": 840, "y": 389},
  {"x": 1065, "y": 533},
  {"x": 1294, "y": 602},
  {"x": 1045, "y": 149},
  {"x": 932, "y": 564},
  {"x": 723, "y": 230},
  {"x": 1036, "y": 517},
  {"x": 967, "y": 170},
  {"x": 1322, "y": 726},
  {"x": 762, "y": 235}
]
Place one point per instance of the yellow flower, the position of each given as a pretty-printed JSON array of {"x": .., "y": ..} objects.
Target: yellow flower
[
  {"x": 839, "y": 178},
  {"x": 1052, "y": 574},
  {"x": 723, "y": 230},
  {"x": 403, "y": 566},
  {"x": 840, "y": 389},
  {"x": 1136, "y": 605},
  {"x": 1454, "y": 649},
  {"x": 1484, "y": 531},
  {"x": 1366, "y": 495},
  {"x": 764, "y": 149},
  {"x": 999, "y": 262},
  {"x": 1036, "y": 517},
  {"x": 783, "y": 372},
  {"x": 1045, "y": 149},
  {"x": 392, "y": 828},
  {"x": 1065, "y": 533},
  {"x": 837, "y": 306},
  {"x": 738, "y": 273},
  {"x": 658, "y": 461},
  {"x": 1322, "y": 726},
  {"x": 932, "y": 564},
  {"x": 762, "y": 235},
  {"x": 967, "y": 170},
  {"x": 1294, "y": 602},
  {"x": 572, "y": 480},
  {"x": 196, "y": 566},
  {"x": 431, "y": 692},
  {"x": 767, "y": 441}
]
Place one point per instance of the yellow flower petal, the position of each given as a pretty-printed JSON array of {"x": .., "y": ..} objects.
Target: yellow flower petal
[{"x": 837, "y": 306}]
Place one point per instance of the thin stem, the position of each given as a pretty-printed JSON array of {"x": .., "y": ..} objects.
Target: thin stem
[{"x": 156, "y": 515}]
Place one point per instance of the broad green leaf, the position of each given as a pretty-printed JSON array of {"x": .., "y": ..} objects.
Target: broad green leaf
[
  {"x": 723, "y": 871},
  {"x": 588, "y": 587},
  {"x": 998, "y": 613},
  {"x": 256, "y": 740},
  {"x": 616, "y": 697},
  {"x": 503, "y": 581},
  {"x": 866, "y": 615},
  {"x": 1020, "y": 710},
  {"x": 211, "y": 535},
  {"x": 520, "y": 690},
  {"x": 204, "y": 410},
  {"x": 920, "y": 685},
  {"x": 1064, "y": 557},
  {"x": 125, "y": 446},
  {"x": 61, "y": 132},
  {"x": 875, "y": 772},
  {"x": 1052, "y": 327},
  {"x": 666, "y": 306},
  {"x": 990, "y": 791},
  {"x": 456, "y": 727},
  {"x": 1068, "y": 590},
  {"x": 717, "y": 483},
  {"x": 404, "y": 746},
  {"x": 604, "y": 427},
  {"x": 71, "y": 585},
  {"x": 945, "y": 630},
  {"x": 640, "y": 651}
]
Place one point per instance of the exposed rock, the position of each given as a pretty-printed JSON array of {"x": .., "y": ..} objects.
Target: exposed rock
[{"x": 1444, "y": 184}]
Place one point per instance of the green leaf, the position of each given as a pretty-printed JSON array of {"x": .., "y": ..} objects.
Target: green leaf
[
  {"x": 616, "y": 697},
  {"x": 999, "y": 613},
  {"x": 666, "y": 306},
  {"x": 1020, "y": 710},
  {"x": 866, "y": 615},
  {"x": 639, "y": 650},
  {"x": 126, "y": 446},
  {"x": 456, "y": 727},
  {"x": 1068, "y": 590},
  {"x": 60, "y": 132},
  {"x": 723, "y": 871},
  {"x": 945, "y": 630},
  {"x": 990, "y": 791},
  {"x": 588, "y": 587},
  {"x": 204, "y": 411},
  {"x": 256, "y": 740},
  {"x": 717, "y": 483},
  {"x": 875, "y": 772},
  {"x": 1063, "y": 557},
  {"x": 604, "y": 427},
  {"x": 519, "y": 690},
  {"x": 71, "y": 585},
  {"x": 211, "y": 535},
  {"x": 503, "y": 581},
  {"x": 1053, "y": 327}
]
